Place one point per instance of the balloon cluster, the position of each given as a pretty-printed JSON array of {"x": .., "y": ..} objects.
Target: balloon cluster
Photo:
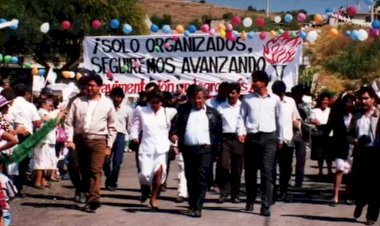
[{"x": 8, "y": 59}]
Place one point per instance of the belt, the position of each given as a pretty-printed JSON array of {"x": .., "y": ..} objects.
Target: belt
[
  {"x": 230, "y": 135},
  {"x": 202, "y": 146}
]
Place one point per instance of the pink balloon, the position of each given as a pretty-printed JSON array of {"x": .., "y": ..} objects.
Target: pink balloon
[
  {"x": 229, "y": 27},
  {"x": 230, "y": 36},
  {"x": 260, "y": 22},
  {"x": 205, "y": 28},
  {"x": 301, "y": 17},
  {"x": 286, "y": 34},
  {"x": 109, "y": 75},
  {"x": 96, "y": 24},
  {"x": 374, "y": 33},
  {"x": 263, "y": 35},
  {"x": 167, "y": 45},
  {"x": 175, "y": 38},
  {"x": 65, "y": 25},
  {"x": 212, "y": 31},
  {"x": 236, "y": 20},
  {"x": 136, "y": 63},
  {"x": 351, "y": 10}
]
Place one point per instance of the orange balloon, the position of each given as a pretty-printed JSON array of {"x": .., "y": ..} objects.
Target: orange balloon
[
  {"x": 78, "y": 76},
  {"x": 34, "y": 71},
  {"x": 318, "y": 18},
  {"x": 180, "y": 29},
  {"x": 66, "y": 74},
  {"x": 221, "y": 27},
  {"x": 243, "y": 35},
  {"x": 334, "y": 32}
]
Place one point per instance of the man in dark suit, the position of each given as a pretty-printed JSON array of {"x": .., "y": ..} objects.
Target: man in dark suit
[{"x": 198, "y": 130}]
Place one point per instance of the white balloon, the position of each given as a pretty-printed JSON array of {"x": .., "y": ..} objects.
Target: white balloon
[
  {"x": 362, "y": 35},
  {"x": 277, "y": 19},
  {"x": 247, "y": 22},
  {"x": 44, "y": 27},
  {"x": 312, "y": 36},
  {"x": 72, "y": 74}
]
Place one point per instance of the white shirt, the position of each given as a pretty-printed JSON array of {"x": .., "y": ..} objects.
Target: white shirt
[
  {"x": 90, "y": 112},
  {"x": 290, "y": 114},
  {"x": 197, "y": 128},
  {"x": 364, "y": 128},
  {"x": 123, "y": 118},
  {"x": 155, "y": 128},
  {"x": 24, "y": 113},
  {"x": 229, "y": 115},
  {"x": 261, "y": 114},
  {"x": 45, "y": 116},
  {"x": 321, "y": 116}
]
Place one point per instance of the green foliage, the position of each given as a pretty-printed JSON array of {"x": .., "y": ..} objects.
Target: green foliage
[
  {"x": 58, "y": 44},
  {"x": 160, "y": 21},
  {"x": 228, "y": 16}
]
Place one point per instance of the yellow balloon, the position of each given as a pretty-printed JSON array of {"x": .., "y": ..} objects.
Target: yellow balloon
[
  {"x": 221, "y": 27},
  {"x": 222, "y": 34},
  {"x": 318, "y": 18},
  {"x": 66, "y": 74},
  {"x": 79, "y": 76},
  {"x": 273, "y": 33},
  {"x": 34, "y": 71},
  {"x": 180, "y": 29},
  {"x": 243, "y": 35},
  {"x": 334, "y": 32}
]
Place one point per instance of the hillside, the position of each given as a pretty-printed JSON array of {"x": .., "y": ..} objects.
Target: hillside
[{"x": 184, "y": 12}]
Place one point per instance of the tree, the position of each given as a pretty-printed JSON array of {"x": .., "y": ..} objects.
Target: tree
[
  {"x": 165, "y": 19},
  {"x": 58, "y": 45}
]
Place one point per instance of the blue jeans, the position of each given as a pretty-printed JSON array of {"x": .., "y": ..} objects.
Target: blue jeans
[{"x": 112, "y": 173}]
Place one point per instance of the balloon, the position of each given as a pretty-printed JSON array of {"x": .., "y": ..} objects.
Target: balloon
[
  {"x": 243, "y": 35},
  {"x": 65, "y": 25},
  {"x": 45, "y": 27},
  {"x": 34, "y": 71},
  {"x": 312, "y": 36},
  {"x": 355, "y": 35},
  {"x": 236, "y": 20},
  {"x": 114, "y": 23},
  {"x": 329, "y": 11},
  {"x": 280, "y": 31},
  {"x": 273, "y": 33},
  {"x": 277, "y": 19},
  {"x": 260, "y": 22},
  {"x": 96, "y": 24},
  {"x": 362, "y": 35},
  {"x": 263, "y": 35},
  {"x": 7, "y": 59},
  {"x": 375, "y": 24},
  {"x": 72, "y": 74},
  {"x": 351, "y": 11},
  {"x": 286, "y": 34},
  {"x": 167, "y": 45},
  {"x": 154, "y": 28},
  {"x": 373, "y": 32},
  {"x": 229, "y": 27},
  {"x": 212, "y": 31},
  {"x": 14, "y": 27},
  {"x": 288, "y": 18},
  {"x": 230, "y": 36},
  {"x": 157, "y": 49},
  {"x": 1, "y": 58},
  {"x": 166, "y": 29},
  {"x": 302, "y": 34},
  {"x": 222, "y": 34},
  {"x": 187, "y": 33},
  {"x": 293, "y": 34},
  {"x": 124, "y": 68},
  {"x": 175, "y": 38},
  {"x": 250, "y": 35},
  {"x": 247, "y": 22},
  {"x": 192, "y": 28},
  {"x": 347, "y": 33},
  {"x": 334, "y": 32},
  {"x": 65, "y": 74},
  {"x": 301, "y": 17},
  {"x": 41, "y": 72},
  {"x": 14, "y": 60},
  {"x": 127, "y": 29},
  {"x": 27, "y": 65},
  {"x": 109, "y": 75},
  {"x": 2, "y": 20},
  {"x": 205, "y": 28},
  {"x": 318, "y": 18},
  {"x": 368, "y": 2},
  {"x": 179, "y": 29},
  {"x": 221, "y": 26},
  {"x": 79, "y": 75}
]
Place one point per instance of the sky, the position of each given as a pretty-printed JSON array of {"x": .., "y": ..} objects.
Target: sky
[{"x": 311, "y": 6}]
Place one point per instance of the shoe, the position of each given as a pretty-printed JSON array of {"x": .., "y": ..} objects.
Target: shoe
[
  {"x": 283, "y": 196},
  {"x": 197, "y": 214},
  {"x": 189, "y": 211},
  {"x": 163, "y": 187},
  {"x": 180, "y": 199},
  {"x": 80, "y": 198},
  {"x": 153, "y": 205},
  {"x": 94, "y": 205},
  {"x": 235, "y": 200},
  {"x": 265, "y": 212},
  {"x": 249, "y": 207},
  {"x": 370, "y": 222},
  {"x": 358, "y": 211},
  {"x": 222, "y": 199},
  {"x": 86, "y": 208},
  {"x": 21, "y": 195},
  {"x": 112, "y": 188}
]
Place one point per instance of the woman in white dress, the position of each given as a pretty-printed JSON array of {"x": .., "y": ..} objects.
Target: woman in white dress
[
  {"x": 44, "y": 154},
  {"x": 154, "y": 122}
]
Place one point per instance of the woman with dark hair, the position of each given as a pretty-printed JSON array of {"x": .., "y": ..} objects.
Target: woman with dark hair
[
  {"x": 365, "y": 136},
  {"x": 320, "y": 143},
  {"x": 339, "y": 122},
  {"x": 153, "y": 121}
]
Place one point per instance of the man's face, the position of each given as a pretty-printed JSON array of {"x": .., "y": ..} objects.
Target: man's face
[
  {"x": 155, "y": 104},
  {"x": 367, "y": 101},
  {"x": 257, "y": 85},
  {"x": 6, "y": 85},
  {"x": 233, "y": 96},
  {"x": 92, "y": 88},
  {"x": 198, "y": 100},
  {"x": 117, "y": 100}
]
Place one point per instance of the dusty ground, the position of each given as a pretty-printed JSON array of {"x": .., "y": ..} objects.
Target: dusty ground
[{"x": 53, "y": 207}]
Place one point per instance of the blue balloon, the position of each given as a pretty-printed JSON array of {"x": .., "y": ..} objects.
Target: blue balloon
[
  {"x": 288, "y": 18},
  {"x": 154, "y": 28},
  {"x": 166, "y": 29},
  {"x": 329, "y": 10},
  {"x": 347, "y": 33},
  {"x": 302, "y": 34},
  {"x": 14, "y": 60},
  {"x": 14, "y": 27},
  {"x": 368, "y": 2},
  {"x": 41, "y": 72},
  {"x": 114, "y": 24},
  {"x": 355, "y": 35},
  {"x": 236, "y": 33},
  {"x": 192, "y": 29},
  {"x": 127, "y": 28},
  {"x": 250, "y": 34},
  {"x": 2, "y": 20},
  {"x": 375, "y": 24},
  {"x": 186, "y": 33}
]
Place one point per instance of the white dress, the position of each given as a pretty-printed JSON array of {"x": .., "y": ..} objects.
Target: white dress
[
  {"x": 155, "y": 143},
  {"x": 44, "y": 153}
]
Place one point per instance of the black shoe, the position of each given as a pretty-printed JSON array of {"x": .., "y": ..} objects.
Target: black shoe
[
  {"x": 222, "y": 199},
  {"x": 180, "y": 199},
  {"x": 197, "y": 214},
  {"x": 249, "y": 207},
  {"x": 235, "y": 200},
  {"x": 112, "y": 188},
  {"x": 264, "y": 212},
  {"x": 370, "y": 222},
  {"x": 283, "y": 196},
  {"x": 163, "y": 187},
  {"x": 358, "y": 211},
  {"x": 94, "y": 205}
]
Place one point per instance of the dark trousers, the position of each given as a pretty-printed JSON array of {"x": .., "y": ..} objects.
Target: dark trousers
[
  {"x": 284, "y": 159},
  {"x": 230, "y": 163},
  {"x": 112, "y": 172},
  {"x": 198, "y": 162},
  {"x": 74, "y": 171},
  {"x": 23, "y": 167},
  {"x": 300, "y": 150},
  {"x": 260, "y": 153},
  {"x": 365, "y": 175}
]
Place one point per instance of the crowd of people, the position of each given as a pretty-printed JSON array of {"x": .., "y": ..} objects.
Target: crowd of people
[{"x": 214, "y": 140}]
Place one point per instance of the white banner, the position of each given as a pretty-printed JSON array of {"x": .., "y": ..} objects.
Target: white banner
[{"x": 133, "y": 61}]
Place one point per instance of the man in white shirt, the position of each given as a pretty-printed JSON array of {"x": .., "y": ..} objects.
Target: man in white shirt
[
  {"x": 123, "y": 121},
  {"x": 292, "y": 119},
  {"x": 230, "y": 163},
  {"x": 92, "y": 118},
  {"x": 259, "y": 120}
]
